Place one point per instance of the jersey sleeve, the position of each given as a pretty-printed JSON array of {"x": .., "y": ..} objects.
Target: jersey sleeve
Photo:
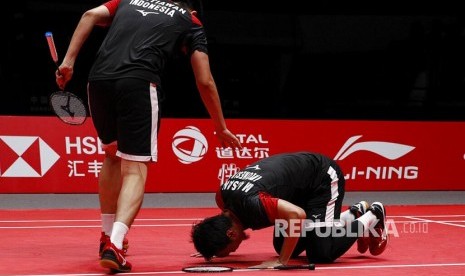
[
  {"x": 270, "y": 204},
  {"x": 196, "y": 39},
  {"x": 112, "y": 6}
]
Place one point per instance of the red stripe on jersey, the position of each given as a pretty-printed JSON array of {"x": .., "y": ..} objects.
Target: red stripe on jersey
[
  {"x": 196, "y": 21},
  {"x": 270, "y": 204},
  {"x": 112, "y": 5}
]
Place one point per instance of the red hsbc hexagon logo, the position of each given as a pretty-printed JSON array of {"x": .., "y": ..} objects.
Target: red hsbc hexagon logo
[{"x": 25, "y": 156}]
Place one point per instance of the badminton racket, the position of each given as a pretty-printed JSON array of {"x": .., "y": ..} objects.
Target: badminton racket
[
  {"x": 66, "y": 105},
  {"x": 216, "y": 269}
]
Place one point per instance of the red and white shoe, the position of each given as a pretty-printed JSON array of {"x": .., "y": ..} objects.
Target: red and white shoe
[
  {"x": 113, "y": 258},
  {"x": 104, "y": 239},
  {"x": 379, "y": 239},
  {"x": 358, "y": 210}
]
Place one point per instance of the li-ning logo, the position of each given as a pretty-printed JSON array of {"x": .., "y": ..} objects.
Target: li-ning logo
[
  {"x": 189, "y": 145},
  {"x": 388, "y": 150},
  {"x": 25, "y": 156}
]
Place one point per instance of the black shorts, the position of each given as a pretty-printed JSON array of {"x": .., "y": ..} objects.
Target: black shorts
[
  {"x": 125, "y": 112},
  {"x": 323, "y": 213}
]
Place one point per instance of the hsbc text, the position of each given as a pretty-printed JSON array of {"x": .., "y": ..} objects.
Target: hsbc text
[{"x": 83, "y": 145}]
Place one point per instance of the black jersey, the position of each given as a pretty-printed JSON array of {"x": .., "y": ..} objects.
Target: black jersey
[
  {"x": 143, "y": 36},
  {"x": 302, "y": 178}
]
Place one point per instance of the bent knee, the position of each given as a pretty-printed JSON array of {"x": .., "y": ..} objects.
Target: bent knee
[{"x": 110, "y": 150}]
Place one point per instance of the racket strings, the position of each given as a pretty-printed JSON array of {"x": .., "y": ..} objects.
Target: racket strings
[{"x": 68, "y": 107}]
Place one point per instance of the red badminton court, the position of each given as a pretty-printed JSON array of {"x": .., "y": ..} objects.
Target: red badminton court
[{"x": 424, "y": 240}]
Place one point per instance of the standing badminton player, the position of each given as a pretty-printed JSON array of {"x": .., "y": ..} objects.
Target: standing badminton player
[
  {"x": 301, "y": 189},
  {"x": 124, "y": 100}
]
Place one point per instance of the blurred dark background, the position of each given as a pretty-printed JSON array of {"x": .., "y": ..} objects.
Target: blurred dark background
[{"x": 286, "y": 60}]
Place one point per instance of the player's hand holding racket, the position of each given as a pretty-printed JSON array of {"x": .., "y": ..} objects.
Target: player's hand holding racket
[{"x": 67, "y": 106}]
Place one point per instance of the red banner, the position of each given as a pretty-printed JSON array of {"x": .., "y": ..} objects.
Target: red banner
[{"x": 44, "y": 155}]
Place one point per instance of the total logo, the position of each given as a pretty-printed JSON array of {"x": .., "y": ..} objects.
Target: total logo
[
  {"x": 189, "y": 145},
  {"x": 388, "y": 150},
  {"x": 25, "y": 156}
]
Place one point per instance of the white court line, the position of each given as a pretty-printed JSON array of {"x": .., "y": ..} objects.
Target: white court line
[
  {"x": 428, "y": 216},
  {"x": 255, "y": 270},
  {"x": 89, "y": 220},
  {"x": 191, "y": 220},
  {"x": 437, "y": 221},
  {"x": 90, "y": 226},
  {"x": 414, "y": 217}
]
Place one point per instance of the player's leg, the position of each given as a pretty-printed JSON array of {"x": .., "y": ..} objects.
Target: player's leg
[
  {"x": 137, "y": 105},
  {"x": 109, "y": 189},
  {"x": 328, "y": 239},
  {"x": 371, "y": 227},
  {"x": 101, "y": 106},
  {"x": 379, "y": 237},
  {"x": 352, "y": 213},
  {"x": 134, "y": 175},
  {"x": 130, "y": 199}
]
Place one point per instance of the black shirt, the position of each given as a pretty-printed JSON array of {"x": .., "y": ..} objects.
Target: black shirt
[
  {"x": 143, "y": 36},
  {"x": 300, "y": 178}
]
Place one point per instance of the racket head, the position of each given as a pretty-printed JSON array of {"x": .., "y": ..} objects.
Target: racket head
[
  {"x": 68, "y": 107},
  {"x": 207, "y": 269}
]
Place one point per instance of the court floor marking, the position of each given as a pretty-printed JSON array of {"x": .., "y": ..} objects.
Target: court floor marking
[
  {"x": 411, "y": 219},
  {"x": 400, "y": 266},
  {"x": 90, "y": 226},
  {"x": 437, "y": 221},
  {"x": 90, "y": 220}
]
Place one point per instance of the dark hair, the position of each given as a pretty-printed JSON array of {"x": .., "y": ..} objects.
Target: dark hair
[
  {"x": 187, "y": 4},
  {"x": 210, "y": 235}
]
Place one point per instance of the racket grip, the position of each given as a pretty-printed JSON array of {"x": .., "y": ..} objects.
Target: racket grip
[
  {"x": 293, "y": 267},
  {"x": 51, "y": 46}
]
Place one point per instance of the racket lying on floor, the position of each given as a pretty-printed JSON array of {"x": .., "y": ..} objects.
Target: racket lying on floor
[
  {"x": 213, "y": 268},
  {"x": 66, "y": 105}
]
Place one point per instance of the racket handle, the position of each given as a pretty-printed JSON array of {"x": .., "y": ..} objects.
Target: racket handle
[
  {"x": 51, "y": 46},
  {"x": 292, "y": 267}
]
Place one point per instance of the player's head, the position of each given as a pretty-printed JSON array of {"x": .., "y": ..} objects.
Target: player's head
[
  {"x": 193, "y": 6},
  {"x": 187, "y": 4},
  {"x": 216, "y": 236}
]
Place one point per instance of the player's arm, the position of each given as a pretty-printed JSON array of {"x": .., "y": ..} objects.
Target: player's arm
[
  {"x": 293, "y": 215},
  {"x": 96, "y": 16},
  {"x": 209, "y": 94}
]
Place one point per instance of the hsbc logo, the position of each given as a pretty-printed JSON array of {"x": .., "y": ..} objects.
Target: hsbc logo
[{"x": 25, "y": 156}]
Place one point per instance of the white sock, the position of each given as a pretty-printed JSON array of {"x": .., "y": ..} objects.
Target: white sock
[
  {"x": 347, "y": 217},
  {"x": 119, "y": 232},
  {"x": 107, "y": 223},
  {"x": 368, "y": 219}
]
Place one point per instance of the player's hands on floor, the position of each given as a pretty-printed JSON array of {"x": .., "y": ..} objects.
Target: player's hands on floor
[{"x": 267, "y": 265}]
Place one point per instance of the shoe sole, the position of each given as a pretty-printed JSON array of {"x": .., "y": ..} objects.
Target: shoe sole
[{"x": 106, "y": 263}]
